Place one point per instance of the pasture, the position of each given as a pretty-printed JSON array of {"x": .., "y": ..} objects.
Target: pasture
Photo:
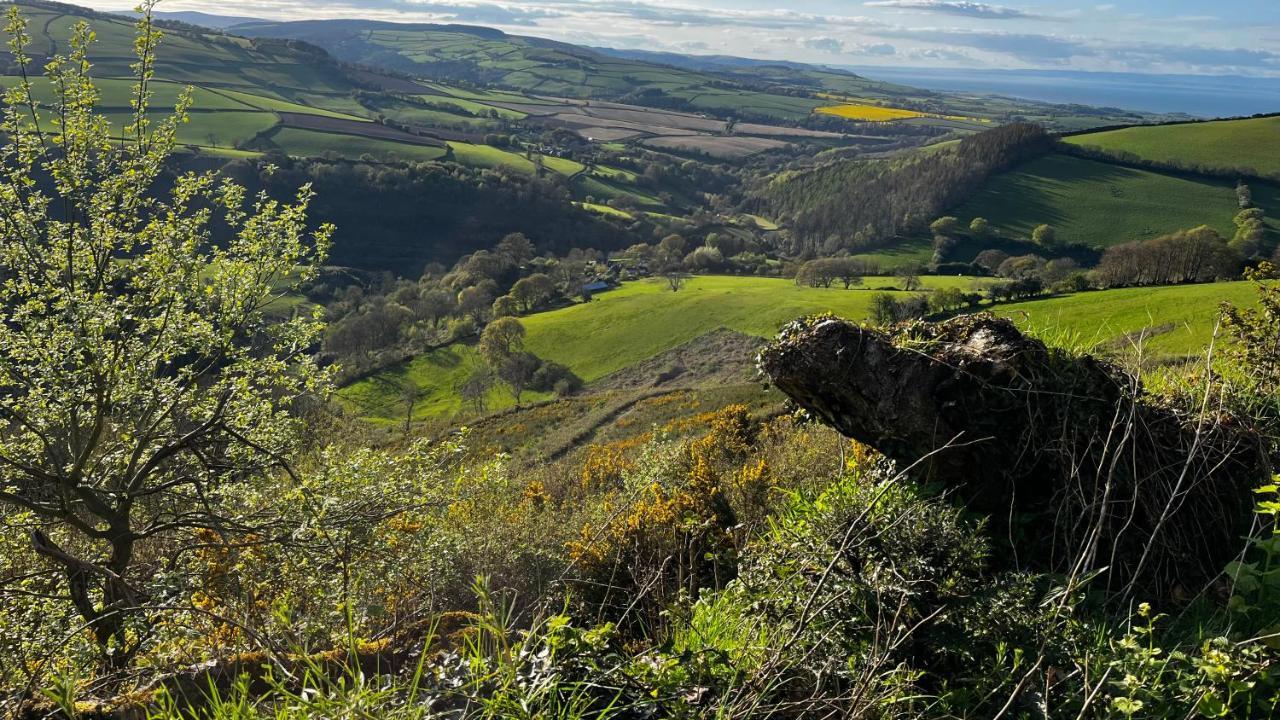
[
  {"x": 1165, "y": 322},
  {"x": 1099, "y": 204},
  {"x": 313, "y": 143},
  {"x": 210, "y": 60},
  {"x": 1225, "y": 144},
  {"x": 618, "y": 329},
  {"x": 643, "y": 319}
]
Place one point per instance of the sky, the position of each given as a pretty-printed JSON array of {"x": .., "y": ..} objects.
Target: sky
[{"x": 1212, "y": 37}]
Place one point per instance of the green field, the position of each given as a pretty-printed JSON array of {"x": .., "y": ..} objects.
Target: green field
[
  {"x": 311, "y": 143},
  {"x": 431, "y": 117},
  {"x": 210, "y": 60},
  {"x": 1252, "y": 143},
  {"x": 268, "y": 103},
  {"x": 218, "y": 129},
  {"x": 240, "y": 85},
  {"x": 620, "y": 328},
  {"x": 603, "y": 189},
  {"x": 643, "y": 319},
  {"x": 911, "y": 251},
  {"x": 606, "y": 210},
  {"x": 117, "y": 94},
  {"x": 774, "y": 106},
  {"x": 437, "y": 375},
  {"x": 532, "y": 66},
  {"x": 1099, "y": 204},
  {"x": 1179, "y": 320},
  {"x": 486, "y": 156}
]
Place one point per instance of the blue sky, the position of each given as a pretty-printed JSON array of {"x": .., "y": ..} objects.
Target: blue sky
[{"x": 1154, "y": 36}]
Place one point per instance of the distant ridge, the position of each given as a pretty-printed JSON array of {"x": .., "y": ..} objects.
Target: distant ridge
[
  {"x": 712, "y": 62},
  {"x": 348, "y": 26},
  {"x": 191, "y": 17}
]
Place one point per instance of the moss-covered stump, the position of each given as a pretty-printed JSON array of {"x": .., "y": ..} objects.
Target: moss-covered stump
[{"x": 1074, "y": 464}]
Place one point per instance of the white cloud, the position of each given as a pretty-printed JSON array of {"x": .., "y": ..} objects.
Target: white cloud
[
  {"x": 1100, "y": 39},
  {"x": 824, "y": 44},
  {"x": 956, "y": 7},
  {"x": 877, "y": 49}
]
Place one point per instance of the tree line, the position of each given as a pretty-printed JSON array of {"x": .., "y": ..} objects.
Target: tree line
[
  {"x": 400, "y": 218},
  {"x": 1196, "y": 255},
  {"x": 383, "y": 319},
  {"x": 1130, "y": 159},
  {"x": 856, "y": 205}
]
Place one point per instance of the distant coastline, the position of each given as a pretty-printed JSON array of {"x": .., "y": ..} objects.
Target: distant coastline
[{"x": 1197, "y": 95}]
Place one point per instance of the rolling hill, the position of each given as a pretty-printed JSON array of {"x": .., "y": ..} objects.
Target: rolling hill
[
  {"x": 241, "y": 84},
  {"x": 335, "y": 126},
  {"x": 619, "y": 329},
  {"x": 723, "y": 87},
  {"x": 1251, "y": 145},
  {"x": 624, "y": 328},
  {"x": 1165, "y": 322},
  {"x": 484, "y": 56},
  {"x": 1100, "y": 204},
  {"x": 1092, "y": 200},
  {"x": 259, "y": 95},
  {"x": 271, "y": 68}
]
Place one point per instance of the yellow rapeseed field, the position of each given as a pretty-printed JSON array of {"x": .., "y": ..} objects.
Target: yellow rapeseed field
[
  {"x": 870, "y": 113},
  {"x": 852, "y": 108}
]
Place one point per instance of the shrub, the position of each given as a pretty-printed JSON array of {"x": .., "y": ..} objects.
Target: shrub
[
  {"x": 554, "y": 377},
  {"x": 870, "y": 591}
]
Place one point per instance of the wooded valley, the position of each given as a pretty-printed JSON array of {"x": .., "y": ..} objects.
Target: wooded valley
[{"x": 359, "y": 369}]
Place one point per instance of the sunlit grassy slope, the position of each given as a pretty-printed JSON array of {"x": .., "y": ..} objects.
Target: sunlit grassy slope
[
  {"x": 620, "y": 328},
  {"x": 644, "y": 319},
  {"x": 1170, "y": 321},
  {"x": 1252, "y": 143},
  {"x": 1099, "y": 204}
]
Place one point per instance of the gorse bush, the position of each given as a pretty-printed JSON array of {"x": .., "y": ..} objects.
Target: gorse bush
[
  {"x": 878, "y": 601},
  {"x": 866, "y": 599}
]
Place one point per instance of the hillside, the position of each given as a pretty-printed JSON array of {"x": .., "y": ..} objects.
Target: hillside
[
  {"x": 256, "y": 97},
  {"x": 262, "y": 95},
  {"x": 747, "y": 90},
  {"x": 259, "y": 99},
  {"x": 264, "y": 67},
  {"x": 1166, "y": 323},
  {"x": 584, "y": 412},
  {"x": 621, "y": 328},
  {"x": 1098, "y": 204},
  {"x": 484, "y": 56},
  {"x": 245, "y": 89},
  {"x": 642, "y": 320},
  {"x": 1017, "y": 178},
  {"x": 1249, "y": 145}
]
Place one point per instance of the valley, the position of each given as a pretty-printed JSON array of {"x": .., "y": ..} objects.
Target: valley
[
  {"x": 590, "y": 127},
  {"x": 438, "y": 371}
]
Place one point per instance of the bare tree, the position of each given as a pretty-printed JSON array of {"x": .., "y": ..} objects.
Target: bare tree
[
  {"x": 409, "y": 391},
  {"x": 474, "y": 391},
  {"x": 517, "y": 372},
  {"x": 675, "y": 278}
]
